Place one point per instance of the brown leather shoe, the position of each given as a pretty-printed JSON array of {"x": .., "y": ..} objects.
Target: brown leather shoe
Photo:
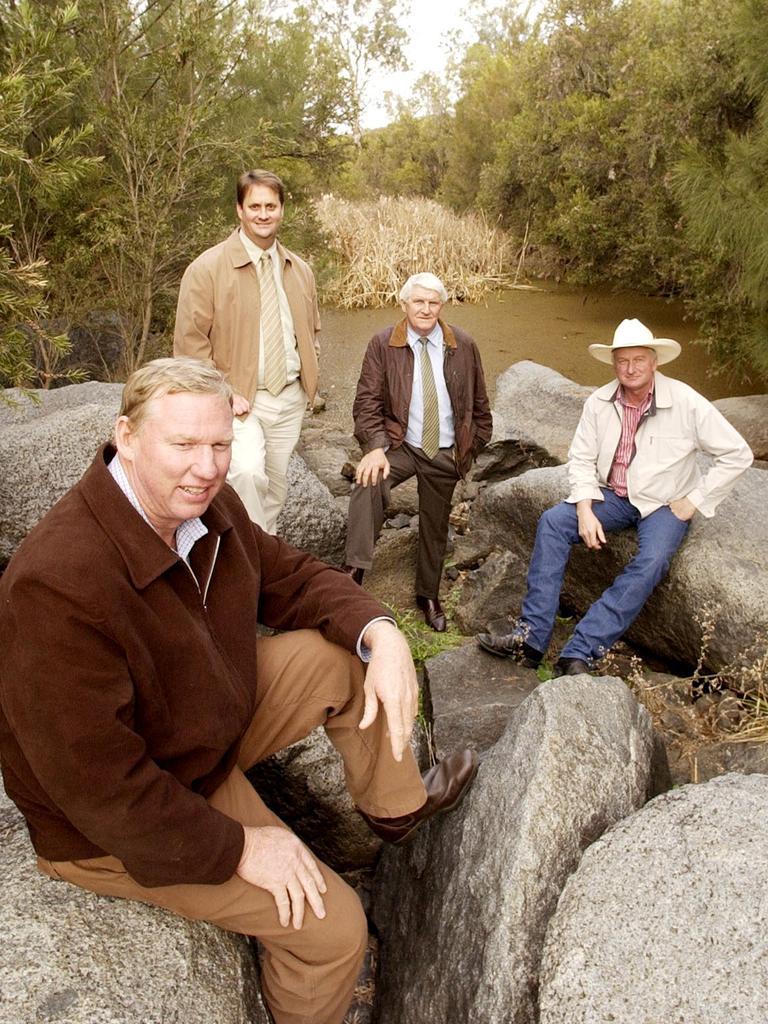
[
  {"x": 354, "y": 572},
  {"x": 434, "y": 616},
  {"x": 446, "y": 785}
]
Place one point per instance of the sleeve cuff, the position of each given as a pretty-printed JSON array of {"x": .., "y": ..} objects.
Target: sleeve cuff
[{"x": 363, "y": 652}]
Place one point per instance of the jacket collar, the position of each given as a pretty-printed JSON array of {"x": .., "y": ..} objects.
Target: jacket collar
[
  {"x": 399, "y": 336},
  {"x": 235, "y": 250},
  {"x": 145, "y": 554},
  {"x": 662, "y": 392}
]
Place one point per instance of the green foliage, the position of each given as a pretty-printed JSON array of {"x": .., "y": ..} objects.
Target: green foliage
[
  {"x": 723, "y": 191},
  {"x": 406, "y": 158},
  {"x": 42, "y": 162},
  {"x": 128, "y": 124},
  {"x": 624, "y": 139}
]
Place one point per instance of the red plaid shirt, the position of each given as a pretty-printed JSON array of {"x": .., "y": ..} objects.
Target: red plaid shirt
[{"x": 625, "y": 450}]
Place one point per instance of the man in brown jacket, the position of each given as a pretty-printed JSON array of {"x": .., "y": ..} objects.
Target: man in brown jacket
[
  {"x": 421, "y": 408},
  {"x": 249, "y": 305},
  {"x": 136, "y": 690}
]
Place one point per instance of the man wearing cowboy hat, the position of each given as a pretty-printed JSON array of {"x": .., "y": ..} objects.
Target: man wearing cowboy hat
[{"x": 632, "y": 462}]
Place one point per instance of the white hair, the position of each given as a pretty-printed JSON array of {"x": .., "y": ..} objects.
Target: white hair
[{"x": 428, "y": 281}]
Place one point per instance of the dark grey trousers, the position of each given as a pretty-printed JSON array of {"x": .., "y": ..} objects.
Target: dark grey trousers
[{"x": 436, "y": 479}]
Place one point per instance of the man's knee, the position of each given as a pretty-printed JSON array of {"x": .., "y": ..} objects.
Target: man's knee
[
  {"x": 560, "y": 518},
  {"x": 347, "y": 929}
]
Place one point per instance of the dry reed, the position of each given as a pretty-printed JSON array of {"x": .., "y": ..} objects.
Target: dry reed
[{"x": 377, "y": 245}]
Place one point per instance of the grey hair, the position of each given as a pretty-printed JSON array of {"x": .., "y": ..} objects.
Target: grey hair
[{"x": 429, "y": 281}]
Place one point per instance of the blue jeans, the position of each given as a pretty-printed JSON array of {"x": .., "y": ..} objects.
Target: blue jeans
[{"x": 659, "y": 536}]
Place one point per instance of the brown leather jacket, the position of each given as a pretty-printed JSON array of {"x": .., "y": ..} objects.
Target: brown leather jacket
[
  {"x": 126, "y": 685},
  {"x": 383, "y": 394}
]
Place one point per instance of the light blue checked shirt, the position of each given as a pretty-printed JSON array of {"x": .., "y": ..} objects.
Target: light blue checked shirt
[{"x": 187, "y": 534}]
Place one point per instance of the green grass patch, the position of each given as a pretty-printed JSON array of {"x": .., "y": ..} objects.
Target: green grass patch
[{"x": 424, "y": 642}]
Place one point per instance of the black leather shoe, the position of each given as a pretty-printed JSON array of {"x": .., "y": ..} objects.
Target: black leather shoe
[
  {"x": 354, "y": 572},
  {"x": 571, "y": 667},
  {"x": 446, "y": 784},
  {"x": 510, "y": 646},
  {"x": 434, "y": 615}
]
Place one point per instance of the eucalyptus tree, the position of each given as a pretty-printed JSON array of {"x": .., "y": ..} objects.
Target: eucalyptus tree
[
  {"x": 723, "y": 190},
  {"x": 43, "y": 160},
  {"x": 369, "y": 36},
  {"x": 157, "y": 93}
]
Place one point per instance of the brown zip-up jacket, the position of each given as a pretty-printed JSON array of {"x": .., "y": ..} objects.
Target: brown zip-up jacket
[
  {"x": 217, "y": 315},
  {"x": 127, "y": 680},
  {"x": 383, "y": 396}
]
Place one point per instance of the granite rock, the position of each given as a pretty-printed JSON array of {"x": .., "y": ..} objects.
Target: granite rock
[
  {"x": 463, "y": 909},
  {"x": 665, "y": 918}
]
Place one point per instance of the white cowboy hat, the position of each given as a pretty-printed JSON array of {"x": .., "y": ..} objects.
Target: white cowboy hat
[{"x": 633, "y": 334}]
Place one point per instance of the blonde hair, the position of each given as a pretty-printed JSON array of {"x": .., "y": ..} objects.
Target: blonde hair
[{"x": 169, "y": 377}]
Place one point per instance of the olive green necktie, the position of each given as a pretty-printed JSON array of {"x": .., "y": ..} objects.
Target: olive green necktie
[
  {"x": 430, "y": 433},
  {"x": 275, "y": 373}
]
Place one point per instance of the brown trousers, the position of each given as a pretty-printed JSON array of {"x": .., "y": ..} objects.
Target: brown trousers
[
  {"x": 308, "y": 976},
  {"x": 437, "y": 479}
]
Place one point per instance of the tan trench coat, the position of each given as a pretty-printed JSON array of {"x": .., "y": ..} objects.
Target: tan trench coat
[{"x": 217, "y": 317}]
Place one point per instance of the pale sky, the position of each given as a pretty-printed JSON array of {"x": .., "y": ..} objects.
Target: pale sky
[{"x": 428, "y": 27}]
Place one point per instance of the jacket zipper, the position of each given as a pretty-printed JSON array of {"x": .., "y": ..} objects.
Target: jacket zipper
[{"x": 204, "y": 592}]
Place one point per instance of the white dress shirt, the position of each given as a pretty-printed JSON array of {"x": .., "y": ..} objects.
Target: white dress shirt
[
  {"x": 435, "y": 351},
  {"x": 292, "y": 362}
]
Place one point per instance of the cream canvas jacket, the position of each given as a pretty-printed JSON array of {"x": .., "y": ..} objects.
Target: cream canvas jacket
[{"x": 679, "y": 424}]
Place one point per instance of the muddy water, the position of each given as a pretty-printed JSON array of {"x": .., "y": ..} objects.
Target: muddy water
[{"x": 551, "y": 325}]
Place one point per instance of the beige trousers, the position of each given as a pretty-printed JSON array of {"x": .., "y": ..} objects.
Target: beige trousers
[
  {"x": 263, "y": 444},
  {"x": 308, "y": 976}
]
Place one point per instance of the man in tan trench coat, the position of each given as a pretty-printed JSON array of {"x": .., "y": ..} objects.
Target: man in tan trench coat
[{"x": 249, "y": 306}]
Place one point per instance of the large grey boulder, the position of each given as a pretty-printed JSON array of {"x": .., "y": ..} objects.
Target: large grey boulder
[
  {"x": 665, "y": 918},
  {"x": 70, "y": 957},
  {"x": 310, "y": 519},
  {"x": 749, "y": 414},
  {"x": 537, "y": 405},
  {"x": 469, "y": 696},
  {"x": 720, "y": 572},
  {"x": 48, "y": 441},
  {"x": 45, "y": 447},
  {"x": 535, "y": 413},
  {"x": 462, "y": 911}
]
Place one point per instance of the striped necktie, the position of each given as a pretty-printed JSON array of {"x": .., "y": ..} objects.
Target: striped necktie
[
  {"x": 275, "y": 373},
  {"x": 430, "y": 434}
]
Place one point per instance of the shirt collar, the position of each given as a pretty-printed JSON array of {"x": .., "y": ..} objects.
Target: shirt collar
[
  {"x": 435, "y": 336},
  {"x": 644, "y": 405},
  {"x": 187, "y": 533},
  {"x": 255, "y": 251}
]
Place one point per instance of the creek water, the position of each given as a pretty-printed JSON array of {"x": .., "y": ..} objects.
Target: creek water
[{"x": 551, "y": 325}]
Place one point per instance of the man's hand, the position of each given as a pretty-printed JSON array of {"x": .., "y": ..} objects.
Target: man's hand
[
  {"x": 390, "y": 681},
  {"x": 240, "y": 405},
  {"x": 590, "y": 527},
  {"x": 682, "y": 509},
  {"x": 276, "y": 860},
  {"x": 370, "y": 466}
]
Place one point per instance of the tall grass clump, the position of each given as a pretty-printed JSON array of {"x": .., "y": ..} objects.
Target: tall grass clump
[{"x": 378, "y": 244}]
